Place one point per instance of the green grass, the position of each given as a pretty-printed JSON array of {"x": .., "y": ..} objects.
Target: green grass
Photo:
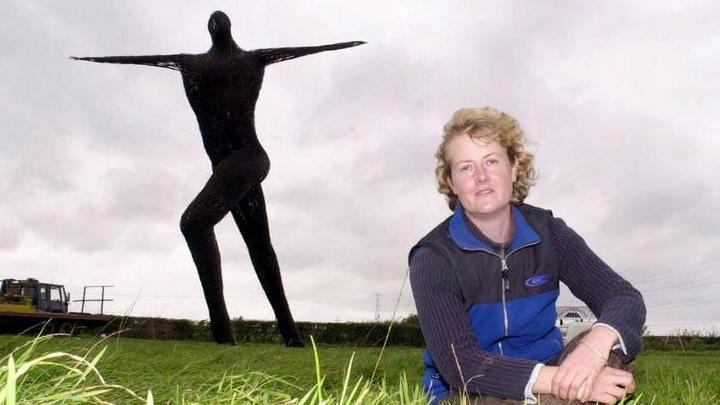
[
  {"x": 126, "y": 370},
  {"x": 680, "y": 377},
  {"x": 174, "y": 369}
]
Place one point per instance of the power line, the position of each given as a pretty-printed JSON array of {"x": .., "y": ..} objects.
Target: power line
[{"x": 681, "y": 270}]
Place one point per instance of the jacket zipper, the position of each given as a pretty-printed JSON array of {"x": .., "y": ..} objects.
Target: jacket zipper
[
  {"x": 505, "y": 287},
  {"x": 505, "y": 273}
]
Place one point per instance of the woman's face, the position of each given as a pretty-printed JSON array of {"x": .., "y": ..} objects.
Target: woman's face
[{"x": 481, "y": 175}]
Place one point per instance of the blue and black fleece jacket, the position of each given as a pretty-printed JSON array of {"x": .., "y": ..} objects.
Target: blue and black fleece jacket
[{"x": 487, "y": 311}]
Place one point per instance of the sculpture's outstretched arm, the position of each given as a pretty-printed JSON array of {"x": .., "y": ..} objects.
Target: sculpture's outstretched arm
[
  {"x": 165, "y": 61},
  {"x": 274, "y": 55}
]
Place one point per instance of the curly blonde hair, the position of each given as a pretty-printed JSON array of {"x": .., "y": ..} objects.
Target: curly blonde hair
[{"x": 487, "y": 124}]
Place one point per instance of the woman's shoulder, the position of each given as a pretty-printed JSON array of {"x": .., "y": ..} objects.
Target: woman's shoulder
[
  {"x": 561, "y": 234},
  {"x": 430, "y": 265},
  {"x": 556, "y": 224},
  {"x": 436, "y": 235},
  {"x": 525, "y": 207}
]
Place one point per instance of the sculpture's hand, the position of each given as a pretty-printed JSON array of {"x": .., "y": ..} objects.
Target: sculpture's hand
[
  {"x": 343, "y": 45},
  {"x": 274, "y": 55},
  {"x": 165, "y": 61}
]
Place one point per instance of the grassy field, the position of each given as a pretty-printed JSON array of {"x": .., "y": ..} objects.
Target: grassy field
[
  {"x": 680, "y": 376},
  {"x": 198, "y": 372}
]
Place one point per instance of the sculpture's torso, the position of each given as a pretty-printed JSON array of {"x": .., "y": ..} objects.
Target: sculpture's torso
[{"x": 223, "y": 91}]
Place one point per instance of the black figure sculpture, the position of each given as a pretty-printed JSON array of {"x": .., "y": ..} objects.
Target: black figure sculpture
[{"x": 222, "y": 86}]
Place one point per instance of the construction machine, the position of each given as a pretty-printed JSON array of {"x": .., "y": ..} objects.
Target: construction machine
[{"x": 29, "y": 303}]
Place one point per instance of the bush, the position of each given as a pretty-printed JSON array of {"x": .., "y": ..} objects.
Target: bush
[
  {"x": 249, "y": 331},
  {"x": 349, "y": 333}
]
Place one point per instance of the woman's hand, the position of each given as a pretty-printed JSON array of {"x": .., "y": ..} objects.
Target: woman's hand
[
  {"x": 575, "y": 378},
  {"x": 577, "y": 374},
  {"x": 611, "y": 385}
]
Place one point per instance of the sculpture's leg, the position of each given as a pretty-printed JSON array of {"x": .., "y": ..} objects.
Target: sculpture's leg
[
  {"x": 251, "y": 218},
  {"x": 200, "y": 238},
  {"x": 230, "y": 181}
]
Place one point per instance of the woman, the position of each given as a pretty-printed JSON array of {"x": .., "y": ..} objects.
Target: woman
[{"x": 486, "y": 279}]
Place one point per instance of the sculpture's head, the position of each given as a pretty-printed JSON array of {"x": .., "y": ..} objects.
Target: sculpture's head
[{"x": 219, "y": 27}]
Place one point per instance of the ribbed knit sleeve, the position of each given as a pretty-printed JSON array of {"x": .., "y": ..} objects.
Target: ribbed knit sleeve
[
  {"x": 446, "y": 328},
  {"x": 612, "y": 299}
]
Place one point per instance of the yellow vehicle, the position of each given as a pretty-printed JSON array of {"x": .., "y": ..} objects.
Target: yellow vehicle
[{"x": 25, "y": 304}]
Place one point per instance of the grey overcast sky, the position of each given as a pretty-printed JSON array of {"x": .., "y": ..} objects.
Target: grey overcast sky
[{"x": 97, "y": 162}]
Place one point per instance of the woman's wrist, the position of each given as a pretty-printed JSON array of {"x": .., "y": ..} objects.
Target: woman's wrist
[
  {"x": 543, "y": 384},
  {"x": 602, "y": 355},
  {"x": 600, "y": 340}
]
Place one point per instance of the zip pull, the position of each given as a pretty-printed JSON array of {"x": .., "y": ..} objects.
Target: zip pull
[{"x": 505, "y": 275}]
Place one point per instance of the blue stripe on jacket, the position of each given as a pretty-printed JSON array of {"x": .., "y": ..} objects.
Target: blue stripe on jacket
[{"x": 531, "y": 332}]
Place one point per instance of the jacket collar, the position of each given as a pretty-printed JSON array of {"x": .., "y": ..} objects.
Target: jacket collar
[{"x": 463, "y": 236}]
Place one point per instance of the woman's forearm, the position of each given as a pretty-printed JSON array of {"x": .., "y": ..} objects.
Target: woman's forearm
[{"x": 611, "y": 298}]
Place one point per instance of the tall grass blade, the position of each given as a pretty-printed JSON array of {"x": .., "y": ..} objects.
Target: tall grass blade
[
  {"x": 355, "y": 390},
  {"x": 392, "y": 319},
  {"x": 305, "y": 399},
  {"x": 318, "y": 392},
  {"x": 346, "y": 380},
  {"x": 10, "y": 387}
]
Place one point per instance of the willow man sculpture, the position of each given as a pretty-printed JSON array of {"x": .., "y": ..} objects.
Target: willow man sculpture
[{"x": 222, "y": 86}]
